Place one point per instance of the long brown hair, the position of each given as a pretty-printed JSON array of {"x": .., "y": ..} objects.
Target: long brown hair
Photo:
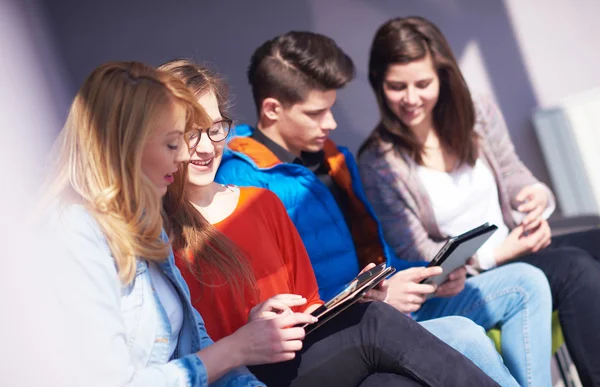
[
  {"x": 193, "y": 235},
  {"x": 98, "y": 156},
  {"x": 404, "y": 40}
]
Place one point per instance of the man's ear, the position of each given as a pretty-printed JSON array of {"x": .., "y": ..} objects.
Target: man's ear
[{"x": 271, "y": 108}]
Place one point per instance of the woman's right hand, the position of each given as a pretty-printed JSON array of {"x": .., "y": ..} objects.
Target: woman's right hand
[
  {"x": 275, "y": 305},
  {"x": 271, "y": 340},
  {"x": 519, "y": 242}
]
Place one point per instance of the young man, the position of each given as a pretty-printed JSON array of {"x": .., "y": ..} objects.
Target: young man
[{"x": 294, "y": 79}]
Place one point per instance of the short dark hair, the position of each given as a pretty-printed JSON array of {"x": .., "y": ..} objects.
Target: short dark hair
[{"x": 289, "y": 66}]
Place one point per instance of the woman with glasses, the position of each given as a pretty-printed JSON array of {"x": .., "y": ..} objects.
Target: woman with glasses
[{"x": 244, "y": 261}]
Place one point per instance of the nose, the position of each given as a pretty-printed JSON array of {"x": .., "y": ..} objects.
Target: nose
[
  {"x": 411, "y": 97},
  {"x": 204, "y": 145},
  {"x": 329, "y": 121}
]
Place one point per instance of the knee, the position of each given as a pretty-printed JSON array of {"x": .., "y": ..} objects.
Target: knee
[
  {"x": 465, "y": 336},
  {"x": 532, "y": 281},
  {"x": 579, "y": 263},
  {"x": 460, "y": 332}
]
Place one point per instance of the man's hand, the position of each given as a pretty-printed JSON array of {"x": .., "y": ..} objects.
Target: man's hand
[
  {"x": 454, "y": 284},
  {"x": 405, "y": 291}
]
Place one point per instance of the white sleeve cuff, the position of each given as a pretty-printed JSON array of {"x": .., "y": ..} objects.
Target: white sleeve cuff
[
  {"x": 551, "y": 206},
  {"x": 485, "y": 259}
]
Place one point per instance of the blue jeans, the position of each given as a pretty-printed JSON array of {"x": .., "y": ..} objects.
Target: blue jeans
[
  {"x": 515, "y": 298},
  {"x": 470, "y": 339}
]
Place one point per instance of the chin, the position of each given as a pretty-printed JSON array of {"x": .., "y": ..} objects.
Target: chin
[{"x": 201, "y": 181}]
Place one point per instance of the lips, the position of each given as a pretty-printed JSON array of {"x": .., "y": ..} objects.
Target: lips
[
  {"x": 169, "y": 178},
  {"x": 202, "y": 164}
]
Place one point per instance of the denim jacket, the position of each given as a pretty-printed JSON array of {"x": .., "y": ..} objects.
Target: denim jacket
[{"x": 121, "y": 331}]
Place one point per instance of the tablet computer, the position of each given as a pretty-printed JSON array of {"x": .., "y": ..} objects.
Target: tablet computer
[
  {"x": 349, "y": 295},
  {"x": 457, "y": 251}
]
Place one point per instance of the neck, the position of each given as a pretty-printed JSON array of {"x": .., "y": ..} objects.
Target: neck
[
  {"x": 203, "y": 196},
  {"x": 426, "y": 134},
  {"x": 271, "y": 130}
]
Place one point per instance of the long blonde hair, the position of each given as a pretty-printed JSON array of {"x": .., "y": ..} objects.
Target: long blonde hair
[{"x": 99, "y": 151}]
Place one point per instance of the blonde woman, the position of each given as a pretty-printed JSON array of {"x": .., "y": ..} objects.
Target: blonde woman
[{"x": 123, "y": 302}]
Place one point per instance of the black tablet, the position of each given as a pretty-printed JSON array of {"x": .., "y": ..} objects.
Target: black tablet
[
  {"x": 349, "y": 295},
  {"x": 457, "y": 251}
]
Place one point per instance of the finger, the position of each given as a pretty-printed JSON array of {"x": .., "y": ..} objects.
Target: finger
[
  {"x": 527, "y": 206},
  {"x": 410, "y": 308},
  {"x": 424, "y": 273},
  {"x": 375, "y": 295},
  {"x": 292, "y": 333},
  {"x": 461, "y": 272},
  {"x": 530, "y": 223},
  {"x": 282, "y": 303},
  {"x": 548, "y": 242},
  {"x": 450, "y": 288},
  {"x": 523, "y": 194},
  {"x": 543, "y": 238},
  {"x": 285, "y": 297},
  {"x": 273, "y": 305},
  {"x": 415, "y": 288},
  {"x": 267, "y": 315},
  {"x": 417, "y": 299},
  {"x": 292, "y": 345},
  {"x": 367, "y": 268},
  {"x": 291, "y": 319},
  {"x": 383, "y": 286}
]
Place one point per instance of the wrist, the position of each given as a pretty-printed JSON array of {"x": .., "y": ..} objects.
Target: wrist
[
  {"x": 499, "y": 255},
  {"x": 236, "y": 353}
]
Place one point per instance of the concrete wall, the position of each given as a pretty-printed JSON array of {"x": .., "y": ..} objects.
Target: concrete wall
[{"x": 524, "y": 52}]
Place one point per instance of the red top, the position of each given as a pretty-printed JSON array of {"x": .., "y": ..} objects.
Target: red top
[{"x": 261, "y": 227}]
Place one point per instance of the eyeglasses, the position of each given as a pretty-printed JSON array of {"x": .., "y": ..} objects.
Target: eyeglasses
[{"x": 216, "y": 133}]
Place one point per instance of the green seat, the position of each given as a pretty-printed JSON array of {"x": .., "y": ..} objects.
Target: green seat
[{"x": 557, "y": 336}]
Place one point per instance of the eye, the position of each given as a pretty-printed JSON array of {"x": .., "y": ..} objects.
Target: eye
[
  {"x": 395, "y": 86},
  {"x": 424, "y": 84},
  {"x": 315, "y": 114},
  {"x": 172, "y": 147}
]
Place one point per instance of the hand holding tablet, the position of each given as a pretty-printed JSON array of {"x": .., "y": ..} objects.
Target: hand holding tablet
[{"x": 458, "y": 250}]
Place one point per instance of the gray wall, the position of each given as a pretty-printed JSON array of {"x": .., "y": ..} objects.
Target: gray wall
[{"x": 226, "y": 32}]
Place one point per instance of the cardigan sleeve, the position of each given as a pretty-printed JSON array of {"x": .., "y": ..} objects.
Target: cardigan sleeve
[
  {"x": 513, "y": 172},
  {"x": 403, "y": 229}
]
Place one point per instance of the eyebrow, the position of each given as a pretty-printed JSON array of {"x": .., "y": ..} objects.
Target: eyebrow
[{"x": 176, "y": 131}]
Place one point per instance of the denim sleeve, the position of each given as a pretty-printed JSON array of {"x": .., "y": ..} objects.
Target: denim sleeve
[
  {"x": 96, "y": 348},
  {"x": 237, "y": 377},
  {"x": 191, "y": 365}
]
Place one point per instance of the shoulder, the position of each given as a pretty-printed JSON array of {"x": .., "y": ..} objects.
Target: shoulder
[
  {"x": 261, "y": 197},
  {"x": 72, "y": 239},
  {"x": 72, "y": 221},
  {"x": 486, "y": 111}
]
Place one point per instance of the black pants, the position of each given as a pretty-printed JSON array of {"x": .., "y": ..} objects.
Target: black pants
[
  {"x": 372, "y": 344},
  {"x": 572, "y": 266}
]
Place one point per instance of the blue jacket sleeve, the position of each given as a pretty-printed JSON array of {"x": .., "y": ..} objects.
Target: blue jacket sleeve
[{"x": 234, "y": 170}]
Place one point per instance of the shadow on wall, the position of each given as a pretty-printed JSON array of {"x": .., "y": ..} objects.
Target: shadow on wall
[{"x": 225, "y": 33}]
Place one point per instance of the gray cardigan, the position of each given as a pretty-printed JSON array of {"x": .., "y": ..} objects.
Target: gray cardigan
[{"x": 402, "y": 203}]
